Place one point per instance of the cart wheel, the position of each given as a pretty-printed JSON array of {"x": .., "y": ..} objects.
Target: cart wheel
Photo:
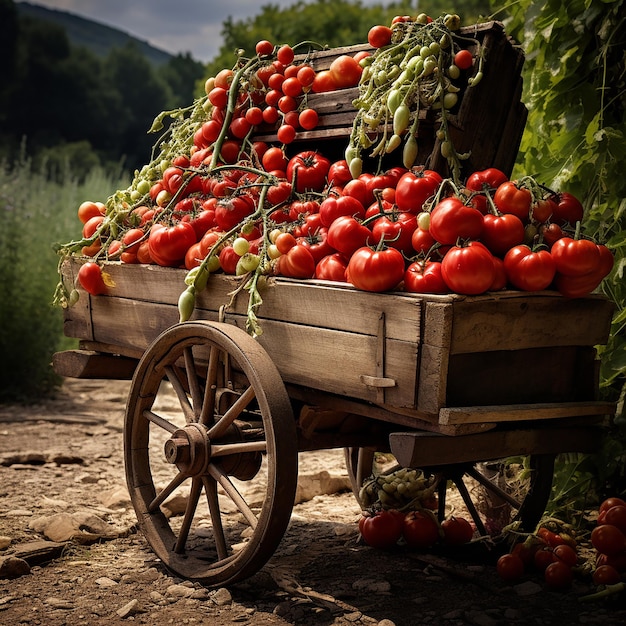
[
  {"x": 208, "y": 411},
  {"x": 494, "y": 494}
]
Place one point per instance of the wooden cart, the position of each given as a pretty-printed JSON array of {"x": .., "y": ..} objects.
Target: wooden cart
[{"x": 216, "y": 418}]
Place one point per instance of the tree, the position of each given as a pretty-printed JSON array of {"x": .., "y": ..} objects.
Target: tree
[
  {"x": 144, "y": 95},
  {"x": 182, "y": 73}
]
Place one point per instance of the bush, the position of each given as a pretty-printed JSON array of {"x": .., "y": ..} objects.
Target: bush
[{"x": 36, "y": 212}]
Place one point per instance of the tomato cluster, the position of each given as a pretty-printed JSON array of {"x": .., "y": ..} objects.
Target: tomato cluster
[
  {"x": 609, "y": 540},
  {"x": 550, "y": 554},
  {"x": 400, "y": 229},
  {"x": 420, "y": 529}
]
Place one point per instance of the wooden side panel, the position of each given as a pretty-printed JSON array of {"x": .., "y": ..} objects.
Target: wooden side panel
[{"x": 529, "y": 322}]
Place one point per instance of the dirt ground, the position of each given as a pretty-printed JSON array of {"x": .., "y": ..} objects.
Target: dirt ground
[{"x": 61, "y": 466}]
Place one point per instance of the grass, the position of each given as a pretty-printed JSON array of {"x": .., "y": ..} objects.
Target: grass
[{"x": 36, "y": 211}]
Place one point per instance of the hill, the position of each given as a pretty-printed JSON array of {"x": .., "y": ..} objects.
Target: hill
[{"x": 86, "y": 33}]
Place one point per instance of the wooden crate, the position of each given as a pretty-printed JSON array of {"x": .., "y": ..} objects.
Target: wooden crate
[
  {"x": 488, "y": 122},
  {"x": 451, "y": 363}
]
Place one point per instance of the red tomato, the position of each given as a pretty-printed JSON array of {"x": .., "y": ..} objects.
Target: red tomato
[
  {"x": 451, "y": 220},
  {"x": 608, "y": 539},
  {"x": 542, "y": 558},
  {"x": 345, "y": 71},
  {"x": 279, "y": 193},
  {"x": 169, "y": 244},
  {"x": 297, "y": 263},
  {"x": 228, "y": 259},
  {"x": 285, "y": 54},
  {"x": 316, "y": 242},
  {"x": 308, "y": 119},
  {"x": 90, "y": 278},
  {"x": 379, "y": 36},
  {"x": 510, "y": 198},
  {"x": 568, "y": 210},
  {"x": 339, "y": 173},
  {"x": 574, "y": 257},
  {"x": 422, "y": 240},
  {"x": 610, "y": 502},
  {"x": 510, "y": 567},
  {"x": 502, "y": 232},
  {"x": 284, "y": 242},
  {"x": 558, "y": 576},
  {"x": 264, "y": 48},
  {"x": 606, "y": 575},
  {"x": 324, "y": 82},
  {"x": 90, "y": 209},
  {"x": 420, "y": 530},
  {"x": 529, "y": 270},
  {"x": 375, "y": 270},
  {"x": 413, "y": 189},
  {"x": 396, "y": 230},
  {"x": 578, "y": 286},
  {"x": 332, "y": 267},
  {"x": 381, "y": 530},
  {"x": 456, "y": 531},
  {"x": 567, "y": 554},
  {"x": 463, "y": 59},
  {"x": 346, "y": 234},
  {"x": 232, "y": 210},
  {"x": 468, "y": 269},
  {"x": 542, "y": 210},
  {"x": 310, "y": 169},
  {"x": 491, "y": 178},
  {"x": 551, "y": 233},
  {"x": 425, "y": 277},
  {"x": 331, "y": 208},
  {"x": 92, "y": 225}
]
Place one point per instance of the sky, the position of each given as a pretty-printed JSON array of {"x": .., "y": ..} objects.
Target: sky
[{"x": 181, "y": 26}]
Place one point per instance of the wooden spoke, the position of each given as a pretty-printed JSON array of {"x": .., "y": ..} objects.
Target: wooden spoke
[
  {"x": 238, "y": 448},
  {"x": 160, "y": 421},
  {"x": 210, "y": 486},
  {"x": 491, "y": 486},
  {"x": 233, "y": 494},
  {"x": 181, "y": 393},
  {"x": 166, "y": 492},
  {"x": 190, "y": 511},
  {"x": 220, "y": 428},
  {"x": 210, "y": 389},
  {"x": 194, "y": 383}
]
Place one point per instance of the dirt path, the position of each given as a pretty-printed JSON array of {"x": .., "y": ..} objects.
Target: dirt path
[{"x": 66, "y": 523}]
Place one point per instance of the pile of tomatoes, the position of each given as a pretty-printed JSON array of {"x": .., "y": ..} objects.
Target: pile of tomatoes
[
  {"x": 306, "y": 217},
  {"x": 555, "y": 555},
  {"x": 419, "y": 529},
  {"x": 222, "y": 202},
  {"x": 609, "y": 540},
  {"x": 551, "y": 555}
]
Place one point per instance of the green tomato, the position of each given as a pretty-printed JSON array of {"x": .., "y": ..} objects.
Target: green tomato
[{"x": 240, "y": 246}]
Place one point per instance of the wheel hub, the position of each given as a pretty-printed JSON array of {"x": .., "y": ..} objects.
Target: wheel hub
[{"x": 189, "y": 448}]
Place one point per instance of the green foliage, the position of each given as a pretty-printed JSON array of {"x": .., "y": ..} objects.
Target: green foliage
[
  {"x": 327, "y": 23},
  {"x": 575, "y": 89},
  {"x": 35, "y": 211}
]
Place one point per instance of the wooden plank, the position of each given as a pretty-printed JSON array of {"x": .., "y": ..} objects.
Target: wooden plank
[
  {"x": 523, "y": 412},
  {"x": 333, "y": 360},
  {"x": 414, "y": 449},
  {"x": 91, "y": 364},
  {"x": 512, "y": 323},
  {"x": 309, "y": 302}
]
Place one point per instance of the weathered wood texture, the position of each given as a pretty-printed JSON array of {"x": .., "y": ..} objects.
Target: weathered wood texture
[
  {"x": 450, "y": 360},
  {"x": 487, "y": 123}
]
